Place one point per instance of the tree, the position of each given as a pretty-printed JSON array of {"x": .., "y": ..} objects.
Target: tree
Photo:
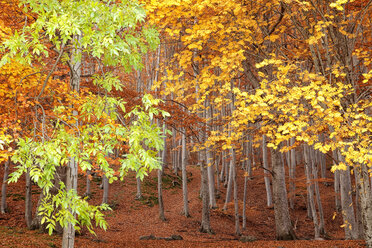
[
  {"x": 304, "y": 76},
  {"x": 84, "y": 125}
]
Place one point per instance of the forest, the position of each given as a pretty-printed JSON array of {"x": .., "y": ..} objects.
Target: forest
[{"x": 186, "y": 123}]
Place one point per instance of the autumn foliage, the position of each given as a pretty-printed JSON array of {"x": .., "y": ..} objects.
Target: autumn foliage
[{"x": 82, "y": 80}]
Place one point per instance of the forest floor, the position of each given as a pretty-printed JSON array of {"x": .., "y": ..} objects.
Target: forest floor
[{"x": 131, "y": 219}]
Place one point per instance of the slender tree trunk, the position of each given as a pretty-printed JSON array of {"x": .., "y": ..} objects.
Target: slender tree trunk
[
  {"x": 317, "y": 193},
  {"x": 164, "y": 152},
  {"x": 292, "y": 175},
  {"x": 365, "y": 193},
  {"x": 351, "y": 228},
  {"x": 211, "y": 183},
  {"x": 160, "y": 195},
  {"x": 174, "y": 152},
  {"x": 105, "y": 183},
  {"x": 266, "y": 172},
  {"x": 205, "y": 226},
  {"x": 236, "y": 203},
  {"x": 209, "y": 158},
  {"x": 358, "y": 215},
  {"x": 218, "y": 190},
  {"x": 68, "y": 238},
  {"x": 88, "y": 192},
  {"x": 28, "y": 200},
  {"x": 283, "y": 225},
  {"x": 139, "y": 191},
  {"x": 337, "y": 184},
  {"x": 229, "y": 184},
  {"x": 322, "y": 161},
  {"x": 184, "y": 177},
  {"x": 248, "y": 162},
  {"x": 310, "y": 191},
  {"x": 222, "y": 171},
  {"x": 4, "y": 187},
  {"x": 245, "y": 194},
  {"x": 36, "y": 221}
]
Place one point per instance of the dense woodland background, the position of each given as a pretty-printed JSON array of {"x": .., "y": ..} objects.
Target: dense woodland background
[{"x": 227, "y": 121}]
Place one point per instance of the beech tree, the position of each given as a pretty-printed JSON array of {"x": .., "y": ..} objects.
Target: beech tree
[
  {"x": 306, "y": 81},
  {"x": 291, "y": 79}
]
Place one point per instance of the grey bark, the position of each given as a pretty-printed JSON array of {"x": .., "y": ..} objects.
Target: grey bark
[
  {"x": 310, "y": 191},
  {"x": 105, "y": 183},
  {"x": 175, "y": 153},
  {"x": 160, "y": 194},
  {"x": 68, "y": 238},
  {"x": 351, "y": 228},
  {"x": 292, "y": 175},
  {"x": 139, "y": 191},
  {"x": 88, "y": 190},
  {"x": 209, "y": 157},
  {"x": 236, "y": 203},
  {"x": 186, "y": 211},
  {"x": 4, "y": 187},
  {"x": 365, "y": 194},
  {"x": 266, "y": 172},
  {"x": 337, "y": 184},
  {"x": 229, "y": 184},
  {"x": 164, "y": 152},
  {"x": 217, "y": 160},
  {"x": 322, "y": 161},
  {"x": 205, "y": 226},
  {"x": 283, "y": 225},
  {"x": 358, "y": 215},
  {"x": 317, "y": 193},
  {"x": 211, "y": 181},
  {"x": 28, "y": 200},
  {"x": 36, "y": 221},
  {"x": 245, "y": 195}
]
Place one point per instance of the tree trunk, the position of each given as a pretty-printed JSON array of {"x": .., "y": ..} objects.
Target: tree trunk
[
  {"x": 139, "y": 191},
  {"x": 5, "y": 186},
  {"x": 236, "y": 203},
  {"x": 211, "y": 183},
  {"x": 310, "y": 192},
  {"x": 218, "y": 189},
  {"x": 351, "y": 228},
  {"x": 323, "y": 169},
  {"x": 229, "y": 185},
  {"x": 292, "y": 175},
  {"x": 205, "y": 226},
  {"x": 184, "y": 177},
  {"x": 105, "y": 183},
  {"x": 87, "y": 190},
  {"x": 174, "y": 152},
  {"x": 337, "y": 184},
  {"x": 283, "y": 225},
  {"x": 160, "y": 195},
  {"x": 266, "y": 172},
  {"x": 36, "y": 221},
  {"x": 68, "y": 238},
  {"x": 317, "y": 192},
  {"x": 209, "y": 157},
  {"x": 164, "y": 152},
  {"x": 365, "y": 194},
  {"x": 358, "y": 215},
  {"x": 245, "y": 193},
  {"x": 28, "y": 200}
]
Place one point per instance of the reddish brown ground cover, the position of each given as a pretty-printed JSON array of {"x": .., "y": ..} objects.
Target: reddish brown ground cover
[{"x": 131, "y": 219}]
